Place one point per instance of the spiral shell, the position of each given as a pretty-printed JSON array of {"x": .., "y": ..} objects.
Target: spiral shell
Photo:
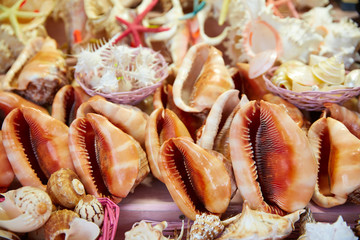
[
  {"x": 25, "y": 209},
  {"x": 65, "y": 188},
  {"x": 330, "y": 70},
  {"x": 206, "y": 227},
  {"x": 90, "y": 209},
  {"x": 66, "y": 224}
]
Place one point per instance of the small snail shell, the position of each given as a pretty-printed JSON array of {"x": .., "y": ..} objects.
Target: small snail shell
[
  {"x": 90, "y": 209},
  {"x": 64, "y": 188}
]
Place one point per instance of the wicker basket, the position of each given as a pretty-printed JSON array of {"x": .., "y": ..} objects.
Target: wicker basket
[
  {"x": 111, "y": 218},
  {"x": 310, "y": 100},
  {"x": 131, "y": 97}
]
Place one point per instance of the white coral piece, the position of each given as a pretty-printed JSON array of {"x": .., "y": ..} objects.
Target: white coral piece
[{"x": 321, "y": 231}]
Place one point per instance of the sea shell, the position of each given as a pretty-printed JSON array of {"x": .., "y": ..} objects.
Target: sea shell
[
  {"x": 162, "y": 125},
  {"x": 42, "y": 76},
  {"x": 66, "y": 103},
  {"x": 331, "y": 71},
  {"x": 90, "y": 209},
  {"x": 337, "y": 155},
  {"x": 64, "y": 188},
  {"x": 36, "y": 145},
  {"x": 10, "y": 47},
  {"x": 7, "y": 235},
  {"x": 67, "y": 225},
  {"x": 188, "y": 171},
  {"x": 25, "y": 209},
  {"x": 144, "y": 230},
  {"x": 357, "y": 228},
  {"x": 108, "y": 161},
  {"x": 253, "y": 224},
  {"x": 337, "y": 231},
  {"x": 310, "y": 3},
  {"x": 206, "y": 227},
  {"x": 352, "y": 79},
  {"x": 201, "y": 78},
  {"x": 263, "y": 132},
  {"x": 6, "y": 173},
  {"x": 122, "y": 116}
]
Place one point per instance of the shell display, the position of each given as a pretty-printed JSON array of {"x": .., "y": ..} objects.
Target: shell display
[
  {"x": 66, "y": 224},
  {"x": 145, "y": 231},
  {"x": 36, "y": 145},
  {"x": 206, "y": 227},
  {"x": 108, "y": 161},
  {"x": 337, "y": 155},
  {"x": 64, "y": 188},
  {"x": 263, "y": 137},
  {"x": 25, "y": 209},
  {"x": 253, "y": 224},
  {"x": 321, "y": 231},
  {"x": 187, "y": 171},
  {"x": 90, "y": 209}
]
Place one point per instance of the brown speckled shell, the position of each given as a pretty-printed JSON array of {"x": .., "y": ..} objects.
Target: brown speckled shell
[
  {"x": 65, "y": 188},
  {"x": 59, "y": 223}
]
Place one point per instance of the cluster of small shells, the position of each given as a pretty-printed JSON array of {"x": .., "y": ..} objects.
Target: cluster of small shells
[
  {"x": 64, "y": 209},
  {"x": 322, "y": 74}
]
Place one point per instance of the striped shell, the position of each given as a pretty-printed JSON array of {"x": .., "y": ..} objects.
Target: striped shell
[
  {"x": 206, "y": 227},
  {"x": 25, "y": 209},
  {"x": 90, "y": 209}
]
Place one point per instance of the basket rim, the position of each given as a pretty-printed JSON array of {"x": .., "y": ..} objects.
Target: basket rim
[{"x": 111, "y": 219}]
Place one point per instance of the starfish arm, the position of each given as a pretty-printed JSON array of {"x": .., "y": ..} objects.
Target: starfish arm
[
  {"x": 224, "y": 11},
  {"x": 187, "y": 16},
  {"x": 3, "y": 16},
  {"x": 16, "y": 26},
  {"x": 140, "y": 17},
  {"x": 3, "y": 8},
  {"x": 17, "y": 4},
  {"x": 136, "y": 37},
  {"x": 126, "y": 32},
  {"x": 23, "y": 14},
  {"x": 123, "y": 21}
]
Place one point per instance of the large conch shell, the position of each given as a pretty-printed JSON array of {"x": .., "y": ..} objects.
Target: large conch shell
[
  {"x": 108, "y": 161},
  {"x": 253, "y": 224},
  {"x": 162, "y": 125},
  {"x": 6, "y": 173},
  {"x": 67, "y": 225},
  {"x": 273, "y": 163},
  {"x": 201, "y": 78},
  {"x": 188, "y": 171},
  {"x": 122, "y": 116},
  {"x": 338, "y": 157},
  {"x": 25, "y": 209},
  {"x": 36, "y": 145}
]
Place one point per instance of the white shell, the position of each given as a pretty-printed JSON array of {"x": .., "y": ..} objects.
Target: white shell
[
  {"x": 352, "y": 79},
  {"x": 253, "y": 224},
  {"x": 206, "y": 227},
  {"x": 143, "y": 230},
  {"x": 25, "y": 209},
  {"x": 90, "y": 209},
  {"x": 321, "y": 231}
]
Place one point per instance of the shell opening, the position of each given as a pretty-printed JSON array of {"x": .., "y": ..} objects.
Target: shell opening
[
  {"x": 179, "y": 170},
  {"x": 78, "y": 186},
  {"x": 69, "y": 105},
  {"x": 323, "y": 175},
  {"x": 89, "y": 143},
  {"x": 265, "y": 149},
  {"x": 22, "y": 131}
]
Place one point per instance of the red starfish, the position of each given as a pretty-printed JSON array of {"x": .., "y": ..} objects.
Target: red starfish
[{"x": 134, "y": 28}]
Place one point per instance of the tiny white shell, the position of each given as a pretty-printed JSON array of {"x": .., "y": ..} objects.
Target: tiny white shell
[{"x": 90, "y": 209}]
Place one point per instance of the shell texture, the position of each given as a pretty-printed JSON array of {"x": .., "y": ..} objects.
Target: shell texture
[
  {"x": 6, "y": 173},
  {"x": 262, "y": 138},
  {"x": 187, "y": 171},
  {"x": 201, "y": 78},
  {"x": 162, "y": 125},
  {"x": 337, "y": 155},
  {"x": 144, "y": 230},
  {"x": 66, "y": 224},
  {"x": 64, "y": 188},
  {"x": 206, "y": 227},
  {"x": 36, "y": 145},
  {"x": 25, "y": 209},
  {"x": 108, "y": 161},
  {"x": 7, "y": 235},
  {"x": 321, "y": 231},
  {"x": 90, "y": 209},
  {"x": 253, "y": 224}
]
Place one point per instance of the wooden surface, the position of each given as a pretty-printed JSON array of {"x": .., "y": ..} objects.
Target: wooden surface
[{"x": 154, "y": 203}]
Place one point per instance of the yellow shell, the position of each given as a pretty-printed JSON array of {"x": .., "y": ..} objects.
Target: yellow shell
[
  {"x": 65, "y": 188},
  {"x": 330, "y": 71}
]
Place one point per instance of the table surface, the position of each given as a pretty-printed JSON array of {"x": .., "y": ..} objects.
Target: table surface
[{"x": 153, "y": 202}]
